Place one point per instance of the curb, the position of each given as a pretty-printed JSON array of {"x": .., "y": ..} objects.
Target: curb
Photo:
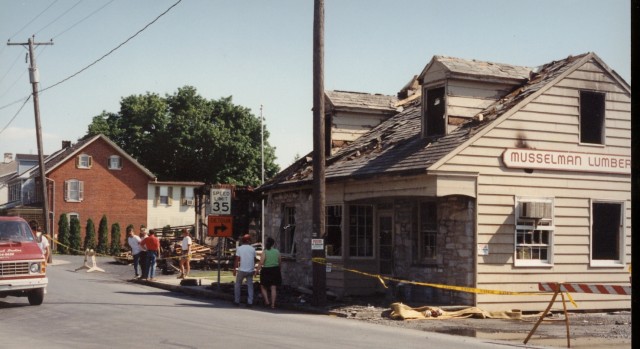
[{"x": 209, "y": 293}]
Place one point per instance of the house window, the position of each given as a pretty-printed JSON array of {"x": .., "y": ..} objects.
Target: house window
[
  {"x": 434, "y": 107},
  {"x": 84, "y": 161},
  {"x": 427, "y": 232},
  {"x": 333, "y": 230},
  {"x": 287, "y": 230},
  {"x": 115, "y": 162},
  {"x": 361, "y": 230},
  {"x": 592, "y": 117},
  {"x": 73, "y": 190},
  {"x": 72, "y": 215},
  {"x": 164, "y": 195},
  {"x": 607, "y": 233},
  {"x": 14, "y": 192},
  {"x": 186, "y": 196},
  {"x": 534, "y": 231}
]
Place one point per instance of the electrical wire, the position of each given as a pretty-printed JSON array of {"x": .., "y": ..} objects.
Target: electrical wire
[
  {"x": 60, "y": 16},
  {"x": 113, "y": 50},
  {"x": 16, "y": 114},
  {"x": 11, "y": 67},
  {"x": 34, "y": 18},
  {"x": 83, "y": 19}
]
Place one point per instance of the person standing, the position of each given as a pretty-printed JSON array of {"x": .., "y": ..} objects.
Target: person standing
[
  {"x": 152, "y": 244},
  {"x": 134, "y": 242},
  {"x": 243, "y": 268},
  {"x": 144, "y": 268},
  {"x": 269, "y": 269},
  {"x": 185, "y": 258},
  {"x": 43, "y": 242}
]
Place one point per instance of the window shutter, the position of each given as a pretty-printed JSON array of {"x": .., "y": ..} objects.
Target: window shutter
[
  {"x": 89, "y": 161},
  {"x": 119, "y": 162},
  {"x": 78, "y": 161},
  {"x": 66, "y": 190},
  {"x": 157, "y": 198},
  {"x": 170, "y": 196},
  {"x": 183, "y": 194},
  {"x": 80, "y": 190}
]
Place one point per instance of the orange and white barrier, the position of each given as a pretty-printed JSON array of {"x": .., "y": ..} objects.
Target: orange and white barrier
[{"x": 584, "y": 288}]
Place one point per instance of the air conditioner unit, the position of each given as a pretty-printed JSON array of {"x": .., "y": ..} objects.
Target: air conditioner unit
[
  {"x": 536, "y": 210},
  {"x": 189, "y": 202}
]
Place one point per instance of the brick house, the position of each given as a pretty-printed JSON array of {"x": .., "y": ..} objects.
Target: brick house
[
  {"x": 89, "y": 179},
  {"x": 491, "y": 177}
]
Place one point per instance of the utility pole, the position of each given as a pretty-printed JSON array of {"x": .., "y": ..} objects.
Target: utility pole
[
  {"x": 319, "y": 270},
  {"x": 34, "y": 78},
  {"x": 262, "y": 178}
]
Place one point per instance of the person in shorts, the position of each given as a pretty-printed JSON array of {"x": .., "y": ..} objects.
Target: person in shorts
[{"x": 185, "y": 257}]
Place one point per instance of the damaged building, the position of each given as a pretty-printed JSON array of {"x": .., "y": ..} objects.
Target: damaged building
[{"x": 478, "y": 175}]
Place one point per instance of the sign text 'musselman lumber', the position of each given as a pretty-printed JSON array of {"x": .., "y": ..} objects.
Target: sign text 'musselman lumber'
[{"x": 566, "y": 161}]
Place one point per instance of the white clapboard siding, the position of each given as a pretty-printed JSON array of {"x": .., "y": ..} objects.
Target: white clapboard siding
[{"x": 549, "y": 122}]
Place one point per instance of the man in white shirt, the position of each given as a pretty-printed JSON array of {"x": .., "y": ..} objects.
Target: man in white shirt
[
  {"x": 134, "y": 242},
  {"x": 185, "y": 258},
  {"x": 244, "y": 268},
  {"x": 42, "y": 240}
]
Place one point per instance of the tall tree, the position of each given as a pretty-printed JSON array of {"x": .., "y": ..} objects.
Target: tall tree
[{"x": 187, "y": 137}]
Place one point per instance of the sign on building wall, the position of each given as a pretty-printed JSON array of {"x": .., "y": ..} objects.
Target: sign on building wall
[
  {"x": 566, "y": 161},
  {"x": 220, "y": 201}
]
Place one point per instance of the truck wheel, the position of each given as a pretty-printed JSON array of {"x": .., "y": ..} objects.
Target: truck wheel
[{"x": 36, "y": 296}]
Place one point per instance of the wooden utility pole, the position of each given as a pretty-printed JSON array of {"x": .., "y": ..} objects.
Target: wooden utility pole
[
  {"x": 317, "y": 234},
  {"x": 34, "y": 78}
]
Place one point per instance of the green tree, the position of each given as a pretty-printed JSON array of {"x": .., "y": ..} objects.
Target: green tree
[
  {"x": 74, "y": 236},
  {"x": 90, "y": 236},
  {"x": 116, "y": 246},
  {"x": 63, "y": 234},
  {"x": 103, "y": 236},
  {"x": 187, "y": 137}
]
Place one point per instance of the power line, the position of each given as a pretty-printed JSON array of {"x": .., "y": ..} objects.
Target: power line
[
  {"x": 83, "y": 19},
  {"x": 16, "y": 114},
  {"x": 57, "y": 18},
  {"x": 11, "y": 67},
  {"x": 34, "y": 18},
  {"x": 113, "y": 50},
  {"x": 16, "y": 81},
  {"x": 101, "y": 58}
]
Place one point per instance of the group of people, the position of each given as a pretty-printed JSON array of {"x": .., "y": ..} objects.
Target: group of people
[
  {"x": 268, "y": 268},
  {"x": 145, "y": 249}
]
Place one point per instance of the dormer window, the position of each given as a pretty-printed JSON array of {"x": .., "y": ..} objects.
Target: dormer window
[
  {"x": 592, "y": 117},
  {"x": 84, "y": 161},
  {"x": 433, "y": 109},
  {"x": 115, "y": 162}
]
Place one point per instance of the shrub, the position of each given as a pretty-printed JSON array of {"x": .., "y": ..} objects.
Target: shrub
[
  {"x": 90, "y": 236},
  {"x": 63, "y": 235},
  {"x": 103, "y": 236},
  {"x": 116, "y": 247},
  {"x": 74, "y": 236}
]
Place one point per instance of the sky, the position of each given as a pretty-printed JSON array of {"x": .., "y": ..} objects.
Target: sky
[{"x": 261, "y": 53}]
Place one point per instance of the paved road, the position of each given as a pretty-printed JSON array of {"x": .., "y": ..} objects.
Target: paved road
[{"x": 99, "y": 310}]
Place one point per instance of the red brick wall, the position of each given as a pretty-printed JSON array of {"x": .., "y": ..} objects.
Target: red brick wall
[{"x": 121, "y": 195}]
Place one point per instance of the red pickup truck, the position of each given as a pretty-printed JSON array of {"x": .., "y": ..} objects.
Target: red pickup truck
[{"x": 22, "y": 264}]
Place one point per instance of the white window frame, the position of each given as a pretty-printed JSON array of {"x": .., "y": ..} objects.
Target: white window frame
[
  {"x": 620, "y": 262},
  {"x": 84, "y": 161},
  {"x": 427, "y": 232},
  {"x": 115, "y": 162},
  {"x": 15, "y": 192},
  {"x": 69, "y": 190},
  {"x": 536, "y": 229}
]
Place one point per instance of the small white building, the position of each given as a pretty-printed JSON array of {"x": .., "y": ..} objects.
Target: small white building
[{"x": 171, "y": 204}]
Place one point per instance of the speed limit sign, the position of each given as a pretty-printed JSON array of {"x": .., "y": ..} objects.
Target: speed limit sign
[{"x": 220, "y": 201}]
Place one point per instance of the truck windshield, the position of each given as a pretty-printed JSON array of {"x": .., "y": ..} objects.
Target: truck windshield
[{"x": 15, "y": 231}]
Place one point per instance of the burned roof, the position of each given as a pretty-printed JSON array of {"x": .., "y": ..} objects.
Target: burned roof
[
  {"x": 359, "y": 100},
  {"x": 396, "y": 146},
  {"x": 479, "y": 69}
]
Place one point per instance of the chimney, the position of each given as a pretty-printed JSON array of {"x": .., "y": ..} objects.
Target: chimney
[
  {"x": 8, "y": 157},
  {"x": 66, "y": 144}
]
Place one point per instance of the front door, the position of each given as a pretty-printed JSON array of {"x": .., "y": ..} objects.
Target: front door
[{"x": 385, "y": 243}]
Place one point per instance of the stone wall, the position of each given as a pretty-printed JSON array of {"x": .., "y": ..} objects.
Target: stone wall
[{"x": 296, "y": 268}]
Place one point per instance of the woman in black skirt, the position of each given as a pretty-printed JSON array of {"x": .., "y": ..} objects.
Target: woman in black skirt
[{"x": 269, "y": 268}]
